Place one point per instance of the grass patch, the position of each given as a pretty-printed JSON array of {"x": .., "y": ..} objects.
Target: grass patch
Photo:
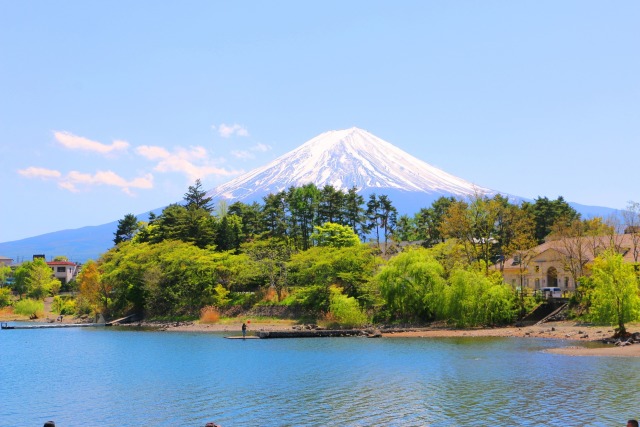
[{"x": 29, "y": 307}]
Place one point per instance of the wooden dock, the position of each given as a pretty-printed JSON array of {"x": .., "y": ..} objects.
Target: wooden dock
[
  {"x": 52, "y": 326},
  {"x": 319, "y": 333},
  {"x": 252, "y": 337}
]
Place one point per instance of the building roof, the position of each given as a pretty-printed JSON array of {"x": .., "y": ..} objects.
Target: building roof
[{"x": 61, "y": 263}]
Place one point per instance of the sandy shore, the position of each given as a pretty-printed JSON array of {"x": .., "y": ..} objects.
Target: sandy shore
[{"x": 568, "y": 331}]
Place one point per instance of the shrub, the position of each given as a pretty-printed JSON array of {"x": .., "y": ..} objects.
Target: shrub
[
  {"x": 5, "y": 297},
  {"x": 29, "y": 307},
  {"x": 209, "y": 314},
  {"x": 63, "y": 306},
  {"x": 345, "y": 310},
  {"x": 82, "y": 306}
]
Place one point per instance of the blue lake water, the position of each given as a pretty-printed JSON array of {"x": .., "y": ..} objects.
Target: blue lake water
[{"x": 109, "y": 377}]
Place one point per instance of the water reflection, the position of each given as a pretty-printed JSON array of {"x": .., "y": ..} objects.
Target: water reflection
[{"x": 102, "y": 377}]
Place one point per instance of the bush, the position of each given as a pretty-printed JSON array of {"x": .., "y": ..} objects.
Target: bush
[
  {"x": 345, "y": 310},
  {"x": 63, "y": 306},
  {"x": 5, "y": 297},
  {"x": 82, "y": 306},
  {"x": 29, "y": 307},
  {"x": 209, "y": 314}
]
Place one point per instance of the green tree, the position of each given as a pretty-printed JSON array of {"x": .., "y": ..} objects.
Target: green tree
[
  {"x": 412, "y": 285},
  {"x": 350, "y": 268},
  {"x": 473, "y": 299},
  {"x": 5, "y": 273},
  {"x": 39, "y": 280},
  {"x": 250, "y": 217},
  {"x": 547, "y": 212},
  {"x": 353, "y": 211},
  {"x": 197, "y": 197},
  {"x": 127, "y": 228},
  {"x": 614, "y": 297},
  {"x": 335, "y": 235},
  {"x": 473, "y": 224},
  {"x": 345, "y": 310},
  {"x": 229, "y": 233},
  {"x": 269, "y": 259}
]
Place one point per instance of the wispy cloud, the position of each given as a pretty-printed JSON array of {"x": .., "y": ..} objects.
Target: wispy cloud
[
  {"x": 74, "y": 180},
  {"x": 261, "y": 147},
  {"x": 194, "y": 161},
  {"x": 243, "y": 154},
  {"x": 249, "y": 154},
  {"x": 42, "y": 173},
  {"x": 226, "y": 131},
  {"x": 75, "y": 142}
]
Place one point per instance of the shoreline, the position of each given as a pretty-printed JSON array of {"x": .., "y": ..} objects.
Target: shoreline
[{"x": 561, "y": 330}]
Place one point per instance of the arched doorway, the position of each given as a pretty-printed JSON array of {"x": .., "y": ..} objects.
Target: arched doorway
[{"x": 552, "y": 277}]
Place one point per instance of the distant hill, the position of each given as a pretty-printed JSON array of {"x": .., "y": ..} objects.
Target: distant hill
[{"x": 344, "y": 159}]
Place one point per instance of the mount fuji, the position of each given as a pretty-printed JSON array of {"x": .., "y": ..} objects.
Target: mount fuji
[
  {"x": 343, "y": 159},
  {"x": 351, "y": 158}
]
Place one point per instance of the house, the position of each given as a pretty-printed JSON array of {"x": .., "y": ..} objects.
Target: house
[
  {"x": 560, "y": 263},
  {"x": 65, "y": 271},
  {"x": 4, "y": 261}
]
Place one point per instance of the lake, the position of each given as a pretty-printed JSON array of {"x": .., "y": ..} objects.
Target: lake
[{"x": 115, "y": 377}]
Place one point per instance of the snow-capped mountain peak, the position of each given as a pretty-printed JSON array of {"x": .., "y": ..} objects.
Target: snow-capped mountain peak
[{"x": 344, "y": 159}]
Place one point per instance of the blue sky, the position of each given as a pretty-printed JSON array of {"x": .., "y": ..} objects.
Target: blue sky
[{"x": 109, "y": 108}]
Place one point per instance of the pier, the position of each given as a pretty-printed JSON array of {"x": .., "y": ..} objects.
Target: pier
[{"x": 52, "y": 326}]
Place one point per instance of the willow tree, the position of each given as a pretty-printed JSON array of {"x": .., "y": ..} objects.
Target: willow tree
[
  {"x": 614, "y": 297},
  {"x": 473, "y": 299},
  {"x": 412, "y": 285}
]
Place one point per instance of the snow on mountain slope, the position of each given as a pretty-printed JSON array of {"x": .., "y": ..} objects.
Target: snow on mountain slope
[{"x": 344, "y": 159}]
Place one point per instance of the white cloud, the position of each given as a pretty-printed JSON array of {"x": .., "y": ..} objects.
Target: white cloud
[
  {"x": 194, "y": 161},
  {"x": 109, "y": 178},
  {"x": 152, "y": 152},
  {"x": 74, "y": 179},
  {"x": 227, "y": 131},
  {"x": 261, "y": 147},
  {"x": 75, "y": 142},
  {"x": 243, "y": 154},
  {"x": 248, "y": 154},
  {"x": 33, "y": 172}
]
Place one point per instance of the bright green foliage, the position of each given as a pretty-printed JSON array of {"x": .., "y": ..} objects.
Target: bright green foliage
[
  {"x": 5, "y": 273},
  {"x": 473, "y": 299},
  {"x": 614, "y": 296},
  {"x": 335, "y": 235},
  {"x": 5, "y": 297},
  {"x": 345, "y": 310},
  {"x": 268, "y": 261},
  {"x": 29, "y": 307},
  {"x": 35, "y": 279},
  {"x": 412, "y": 285},
  {"x": 170, "y": 278},
  {"x": 350, "y": 268},
  {"x": 63, "y": 306}
]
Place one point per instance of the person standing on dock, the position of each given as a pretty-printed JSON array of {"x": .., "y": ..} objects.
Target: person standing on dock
[{"x": 244, "y": 330}]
